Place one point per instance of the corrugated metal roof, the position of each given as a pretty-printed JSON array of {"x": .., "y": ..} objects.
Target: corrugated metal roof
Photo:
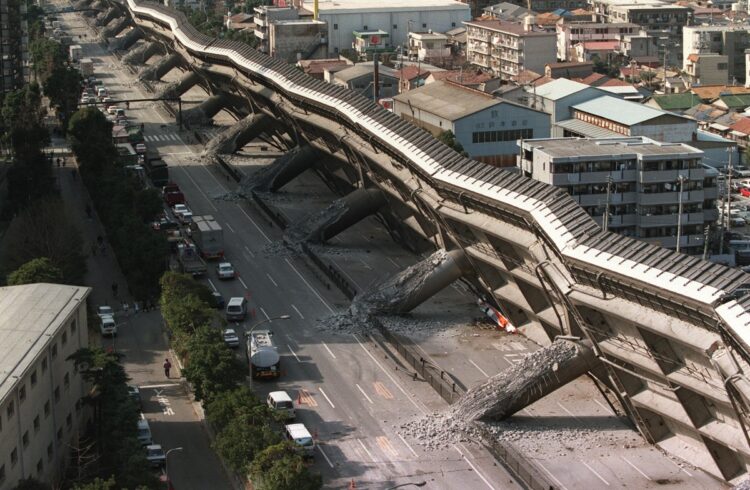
[
  {"x": 620, "y": 111},
  {"x": 559, "y": 89},
  {"x": 30, "y": 315},
  {"x": 448, "y": 101},
  {"x": 587, "y": 129}
]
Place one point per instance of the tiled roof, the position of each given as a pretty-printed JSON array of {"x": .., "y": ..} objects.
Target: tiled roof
[
  {"x": 742, "y": 125},
  {"x": 677, "y": 102},
  {"x": 713, "y": 92},
  {"x": 601, "y": 45},
  {"x": 411, "y": 72},
  {"x": 467, "y": 77},
  {"x": 736, "y": 101}
]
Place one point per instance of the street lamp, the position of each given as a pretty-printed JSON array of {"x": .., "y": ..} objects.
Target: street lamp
[
  {"x": 166, "y": 464},
  {"x": 247, "y": 336},
  {"x": 419, "y": 484}
]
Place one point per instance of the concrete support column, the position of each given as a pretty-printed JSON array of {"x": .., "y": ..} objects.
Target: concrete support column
[
  {"x": 284, "y": 169},
  {"x": 185, "y": 83},
  {"x": 142, "y": 53},
  {"x": 536, "y": 376},
  {"x": 413, "y": 286},
  {"x": 106, "y": 17},
  {"x": 340, "y": 215},
  {"x": 161, "y": 68},
  {"x": 126, "y": 41},
  {"x": 204, "y": 111},
  {"x": 239, "y": 134}
]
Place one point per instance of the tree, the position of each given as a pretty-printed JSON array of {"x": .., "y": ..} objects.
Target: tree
[
  {"x": 90, "y": 136},
  {"x": 22, "y": 119},
  {"x": 36, "y": 270},
  {"x": 241, "y": 440},
  {"x": 44, "y": 230},
  {"x": 97, "y": 484},
  {"x": 62, "y": 87},
  {"x": 240, "y": 402},
  {"x": 211, "y": 365},
  {"x": 147, "y": 204},
  {"x": 449, "y": 139},
  {"x": 281, "y": 467},
  {"x": 46, "y": 55},
  {"x": 31, "y": 484}
]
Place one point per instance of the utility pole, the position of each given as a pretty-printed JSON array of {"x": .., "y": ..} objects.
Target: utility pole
[
  {"x": 605, "y": 218},
  {"x": 705, "y": 242},
  {"x": 728, "y": 197},
  {"x": 681, "y": 180}
]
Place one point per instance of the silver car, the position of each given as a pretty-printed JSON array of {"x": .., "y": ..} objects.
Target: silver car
[
  {"x": 225, "y": 270},
  {"x": 231, "y": 338}
]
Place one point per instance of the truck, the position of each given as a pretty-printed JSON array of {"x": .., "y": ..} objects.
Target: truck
[
  {"x": 208, "y": 236},
  {"x": 86, "y": 67},
  {"x": 75, "y": 52},
  {"x": 263, "y": 355},
  {"x": 157, "y": 170},
  {"x": 172, "y": 195},
  {"x": 189, "y": 260}
]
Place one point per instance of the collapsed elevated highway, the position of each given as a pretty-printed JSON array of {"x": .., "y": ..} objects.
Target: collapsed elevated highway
[{"x": 662, "y": 331}]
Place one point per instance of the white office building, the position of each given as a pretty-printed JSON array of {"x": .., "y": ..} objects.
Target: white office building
[{"x": 40, "y": 390}]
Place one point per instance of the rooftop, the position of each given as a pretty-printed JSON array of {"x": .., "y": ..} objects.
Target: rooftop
[
  {"x": 677, "y": 102},
  {"x": 619, "y": 111},
  {"x": 362, "y": 69},
  {"x": 572, "y": 149},
  {"x": 559, "y": 89},
  {"x": 742, "y": 126},
  {"x": 31, "y": 313},
  {"x": 735, "y": 101},
  {"x": 713, "y": 92},
  {"x": 344, "y": 6},
  {"x": 465, "y": 77},
  {"x": 506, "y": 27},
  {"x": 447, "y": 100}
]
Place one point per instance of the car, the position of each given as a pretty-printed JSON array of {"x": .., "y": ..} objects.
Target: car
[
  {"x": 178, "y": 209},
  {"x": 185, "y": 218},
  {"x": 218, "y": 300},
  {"x": 108, "y": 326},
  {"x": 165, "y": 224},
  {"x": 135, "y": 394},
  {"x": 105, "y": 310},
  {"x": 144, "y": 432},
  {"x": 140, "y": 148},
  {"x": 231, "y": 338},
  {"x": 112, "y": 109},
  {"x": 155, "y": 455},
  {"x": 225, "y": 270}
]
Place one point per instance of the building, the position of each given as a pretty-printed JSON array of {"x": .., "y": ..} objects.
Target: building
[
  {"x": 393, "y": 17},
  {"x": 557, "y": 97},
  {"x": 265, "y": 16},
  {"x": 596, "y": 50},
  {"x": 361, "y": 79},
  {"x": 40, "y": 389},
  {"x": 317, "y": 68},
  {"x": 569, "y": 69},
  {"x": 487, "y": 127},
  {"x": 728, "y": 40},
  {"x": 571, "y": 33},
  {"x": 14, "y": 40},
  {"x": 638, "y": 183},
  {"x": 293, "y": 40},
  {"x": 708, "y": 68},
  {"x": 508, "y": 12},
  {"x": 429, "y": 46},
  {"x": 506, "y": 49},
  {"x": 540, "y": 5}
]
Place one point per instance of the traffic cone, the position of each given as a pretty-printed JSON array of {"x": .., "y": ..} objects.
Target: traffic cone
[{"x": 352, "y": 485}]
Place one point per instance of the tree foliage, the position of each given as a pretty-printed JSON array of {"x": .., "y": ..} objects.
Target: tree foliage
[
  {"x": 241, "y": 440},
  {"x": 36, "y": 270},
  {"x": 449, "y": 139},
  {"x": 239, "y": 402},
  {"x": 46, "y": 55},
  {"x": 211, "y": 366},
  {"x": 98, "y": 484},
  {"x": 281, "y": 467},
  {"x": 31, "y": 483},
  {"x": 62, "y": 88}
]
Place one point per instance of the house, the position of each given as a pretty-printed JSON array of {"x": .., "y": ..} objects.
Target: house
[
  {"x": 732, "y": 102},
  {"x": 740, "y": 132},
  {"x": 361, "y": 78},
  {"x": 468, "y": 78},
  {"x": 677, "y": 103},
  {"x": 317, "y": 68},
  {"x": 240, "y": 22},
  {"x": 591, "y": 50},
  {"x": 569, "y": 34},
  {"x": 706, "y": 68},
  {"x": 508, "y": 12},
  {"x": 571, "y": 69},
  {"x": 557, "y": 97},
  {"x": 410, "y": 77},
  {"x": 429, "y": 46},
  {"x": 487, "y": 127}
]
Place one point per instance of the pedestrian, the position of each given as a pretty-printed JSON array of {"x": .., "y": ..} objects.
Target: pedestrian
[
  {"x": 125, "y": 308},
  {"x": 63, "y": 161},
  {"x": 135, "y": 307},
  {"x": 167, "y": 367},
  {"x": 58, "y": 162},
  {"x": 114, "y": 289}
]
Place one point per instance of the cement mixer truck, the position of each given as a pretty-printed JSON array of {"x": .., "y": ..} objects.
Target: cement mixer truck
[{"x": 263, "y": 355}]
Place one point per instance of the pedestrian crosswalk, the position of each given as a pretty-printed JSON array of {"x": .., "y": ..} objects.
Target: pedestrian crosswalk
[{"x": 156, "y": 138}]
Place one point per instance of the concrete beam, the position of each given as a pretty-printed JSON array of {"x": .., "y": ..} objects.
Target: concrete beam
[
  {"x": 161, "y": 68},
  {"x": 340, "y": 215},
  {"x": 239, "y": 134},
  {"x": 413, "y": 286},
  {"x": 114, "y": 28},
  {"x": 141, "y": 54},
  {"x": 283, "y": 170},
  {"x": 185, "y": 83},
  {"x": 537, "y": 375},
  {"x": 126, "y": 41}
]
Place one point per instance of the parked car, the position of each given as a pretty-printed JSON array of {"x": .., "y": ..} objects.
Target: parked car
[
  {"x": 112, "y": 109},
  {"x": 737, "y": 222},
  {"x": 140, "y": 148},
  {"x": 178, "y": 209},
  {"x": 231, "y": 338},
  {"x": 165, "y": 224},
  {"x": 144, "y": 432},
  {"x": 135, "y": 394},
  {"x": 281, "y": 402},
  {"x": 218, "y": 300},
  {"x": 155, "y": 455},
  {"x": 108, "y": 326},
  {"x": 225, "y": 270},
  {"x": 105, "y": 310}
]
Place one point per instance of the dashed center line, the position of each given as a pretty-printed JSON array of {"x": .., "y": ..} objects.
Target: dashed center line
[
  {"x": 480, "y": 369},
  {"x": 364, "y": 394},
  {"x": 369, "y": 454},
  {"x": 595, "y": 473},
  {"x": 309, "y": 286},
  {"x": 242, "y": 282},
  {"x": 230, "y": 227},
  {"x": 636, "y": 468},
  {"x": 212, "y": 285},
  {"x": 254, "y": 223},
  {"x": 324, "y": 455},
  {"x": 298, "y": 312},
  {"x": 250, "y": 252},
  {"x": 407, "y": 445},
  {"x": 265, "y": 314},
  {"x": 329, "y": 350},
  {"x": 271, "y": 279},
  {"x": 293, "y": 353}
]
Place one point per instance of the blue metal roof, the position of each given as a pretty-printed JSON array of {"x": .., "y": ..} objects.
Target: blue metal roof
[{"x": 620, "y": 111}]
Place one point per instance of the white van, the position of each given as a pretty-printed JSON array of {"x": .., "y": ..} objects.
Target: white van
[
  {"x": 301, "y": 436},
  {"x": 108, "y": 325},
  {"x": 281, "y": 402},
  {"x": 236, "y": 309},
  {"x": 144, "y": 432}
]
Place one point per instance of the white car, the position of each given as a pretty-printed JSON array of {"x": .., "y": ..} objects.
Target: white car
[
  {"x": 179, "y": 209},
  {"x": 105, "y": 310},
  {"x": 112, "y": 109},
  {"x": 231, "y": 338},
  {"x": 155, "y": 455},
  {"x": 225, "y": 270},
  {"x": 108, "y": 325}
]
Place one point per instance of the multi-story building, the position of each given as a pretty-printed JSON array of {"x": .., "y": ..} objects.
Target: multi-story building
[
  {"x": 727, "y": 40},
  {"x": 639, "y": 184},
  {"x": 429, "y": 46},
  {"x": 40, "y": 389},
  {"x": 14, "y": 45},
  {"x": 707, "y": 68},
  {"x": 265, "y": 15},
  {"x": 506, "y": 49},
  {"x": 538, "y": 5},
  {"x": 571, "y": 33}
]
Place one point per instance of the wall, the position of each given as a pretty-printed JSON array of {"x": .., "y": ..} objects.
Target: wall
[
  {"x": 538, "y": 51},
  {"x": 341, "y": 25},
  {"x": 287, "y": 39},
  {"x": 677, "y": 132},
  {"x": 364, "y": 85}
]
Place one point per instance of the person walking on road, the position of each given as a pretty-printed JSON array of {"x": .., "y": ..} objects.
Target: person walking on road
[{"x": 167, "y": 367}]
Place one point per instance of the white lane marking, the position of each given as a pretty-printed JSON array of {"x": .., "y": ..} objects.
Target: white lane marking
[
  {"x": 242, "y": 282},
  {"x": 568, "y": 411},
  {"x": 595, "y": 472},
  {"x": 309, "y": 286},
  {"x": 476, "y": 470},
  {"x": 423, "y": 411},
  {"x": 326, "y": 397},
  {"x": 324, "y": 455},
  {"x": 393, "y": 262},
  {"x": 250, "y": 252},
  {"x": 329, "y": 350},
  {"x": 167, "y": 385},
  {"x": 271, "y": 278},
  {"x": 551, "y": 475},
  {"x": 293, "y": 353},
  {"x": 268, "y": 318},
  {"x": 363, "y": 393},
  {"x": 606, "y": 409},
  {"x": 636, "y": 468},
  {"x": 212, "y": 285},
  {"x": 407, "y": 445},
  {"x": 366, "y": 450},
  {"x": 230, "y": 227},
  {"x": 210, "y": 202},
  {"x": 298, "y": 312},
  {"x": 480, "y": 369},
  {"x": 254, "y": 223},
  {"x": 680, "y": 467}
]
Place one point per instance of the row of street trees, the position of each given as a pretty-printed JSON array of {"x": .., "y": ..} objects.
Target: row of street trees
[{"x": 248, "y": 433}]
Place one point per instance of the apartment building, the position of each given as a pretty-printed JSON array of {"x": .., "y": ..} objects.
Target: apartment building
[
  {"x": 726, "y": 40},
  {"x": 14, "y": 45},
  {"x": 640, "y": 184},
  {"x": 40, "y": 390},
  {"x": 265, "y": 15},
  {"x": 507, "y": 49},
  {"x": 707, "y": 68},
  {"x": 429, "y": 46},
  {"x": 570, "y": 34}
]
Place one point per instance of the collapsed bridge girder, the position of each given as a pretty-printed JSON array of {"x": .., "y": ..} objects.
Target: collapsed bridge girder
[
  {"x": 161, "y": 67},
  {"x": 105, "y": 18},
  {"x": 126, "y": 41},
  {"x": 179, "y": 87},
  {"x": 203, "y": 112},
  {"x": 114, "y": 28},
  {"x": 284, "y": 169},
  {"x": 142, "y": 53},
  {"x": 239, "y": 134}
]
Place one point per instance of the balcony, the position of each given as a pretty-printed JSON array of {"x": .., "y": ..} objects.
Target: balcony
[
  {"x": 480, "y": 60},
  {"x": 670, "y": 197},
  {"x": 671, "y": 220},
  {"x": 260, "y": 34},
  {"x": 593, "y": 177},
  {"x": 652, "y": 176},
  {"x": 671, "y": 241},
  {"x": 479, "y": 48},
  {"x": 601, "y": 199}
]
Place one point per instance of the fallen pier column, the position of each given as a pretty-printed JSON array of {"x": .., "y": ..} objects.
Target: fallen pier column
[
  {"x": 337, "y": 217},
  {"x": 142, "y": 53},
  {"x": 203, "y": 112},
  {"x": 185, "y": 83},
  {"x": 722, "y": 359},
  {"x": 238, "y": 135},
  {"x": 126, "y": 41},
  {"x": 161, "y": 68},
  {"x": 114, "y": 28},
  {"x": 283, "y": 170},
  {"x": 106, "y": 17},
  {"x": 413, "y": 286},
  {"x": 536, "y": 376}
]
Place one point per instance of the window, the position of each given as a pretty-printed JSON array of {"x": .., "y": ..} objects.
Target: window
[
  {"x": 722, "y": 66},
  {"x": 46, "y": 409},
  {"x": 453, "y": 24},
  {"x": 395, "y": 26},
  {"x": 14, "y": 457},
  {"x": 64, "y": 338},
  {"x": 365, "y": 27},
  {"x": 36, "y": 423},
  {"x": 33, "y": 378},
  {"x": 59, "y": 434},
  {"x": 50, "y": 452},
  {"x": 424, "y": 26},
  {"x": 11, "y": 410},
  {"x": 53, "y": 350},
  {"x": 25, "y": 438},
  {"x": 22, "y": 393},
  {"x": 335, "y": 27},
  {"x": 44, "y": 365},
  {"x": 39, "y": 466},
  {"x": 57, "y": 394},
  {"x": 73, "y": 327},
  {"x": 66, "y": 380},
  {"x": 69, "y": 421}
]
